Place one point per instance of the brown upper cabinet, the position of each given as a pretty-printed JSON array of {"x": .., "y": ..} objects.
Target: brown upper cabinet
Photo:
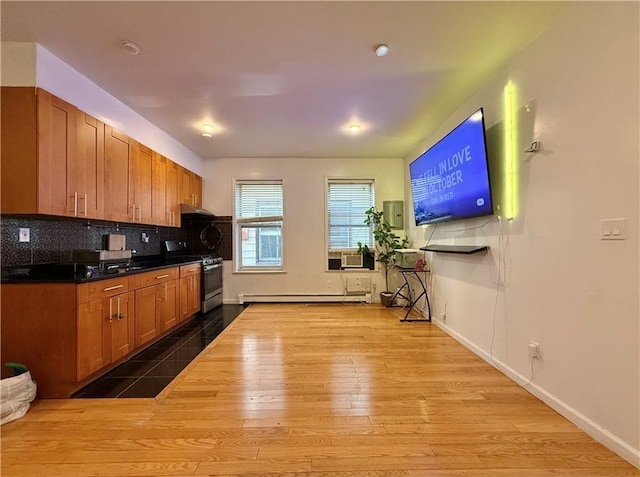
[
  {"x": 196, "y": 189},
  {"x": 119, "y": 165},
  {"x": 185, "y": 186},
  {"x": 190, "y": 188},
  {"x": 57, "y": 156},
  {"x": 58, "y": 160},
  {"x": 89, "y": 167},
  {"x": 141, "y": 183},
  {"x": 173, "y": 194},
  {"x": 159, "y": 175},
  {"x": 52, "y": 156}
]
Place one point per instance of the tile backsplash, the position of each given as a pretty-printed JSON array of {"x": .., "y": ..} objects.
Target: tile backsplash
[{"x": 54, "y": 239}]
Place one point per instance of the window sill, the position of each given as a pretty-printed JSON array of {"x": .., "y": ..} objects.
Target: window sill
[
  {"x": 353, "y": 270},
  {"x": 257, "y": 272}
]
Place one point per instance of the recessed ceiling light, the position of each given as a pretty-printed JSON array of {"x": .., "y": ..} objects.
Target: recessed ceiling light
[
  {"x": 207, "y": 134},
  {"x": 130, "y": 47},
  {"x": 207, "y": 128},
  {"x": 354, "y": 128},
  {"x": 381, "y": 49}
]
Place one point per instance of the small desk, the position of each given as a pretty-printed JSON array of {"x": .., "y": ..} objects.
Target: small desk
[
  {"x": 407, "y": 273},
  {"x": 466, "y": 249}
]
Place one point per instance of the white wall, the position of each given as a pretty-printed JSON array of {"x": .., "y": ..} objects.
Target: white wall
[
  {"x": 304, "y": 233},
  {"x": 577, "y": 295},
  {"x": 27, "y": 64}
]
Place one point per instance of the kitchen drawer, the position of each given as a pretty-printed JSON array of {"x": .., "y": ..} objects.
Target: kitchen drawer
[
  {"x": 157, "y": 276},
  {"x": 102, "y": 289},
  {"x": 191, "y": 269}
]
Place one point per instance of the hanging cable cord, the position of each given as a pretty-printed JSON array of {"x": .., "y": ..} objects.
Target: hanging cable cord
[
  {"x": 431, "y": 235},
  {"x": 502, "y": 281}
]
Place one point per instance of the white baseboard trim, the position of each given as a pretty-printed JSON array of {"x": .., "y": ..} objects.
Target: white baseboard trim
[{"x": 600, "y": 434}]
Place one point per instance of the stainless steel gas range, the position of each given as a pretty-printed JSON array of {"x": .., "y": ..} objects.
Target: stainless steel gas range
[{"x": 211, "y": 278}]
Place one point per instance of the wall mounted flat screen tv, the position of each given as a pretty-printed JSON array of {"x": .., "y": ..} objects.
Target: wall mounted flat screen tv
[{"x": 450, "y": 181}]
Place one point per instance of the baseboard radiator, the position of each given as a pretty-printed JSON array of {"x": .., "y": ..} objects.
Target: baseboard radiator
[
  {"x": 303, "y": 298},
  {"x": 357, "y": 289}
]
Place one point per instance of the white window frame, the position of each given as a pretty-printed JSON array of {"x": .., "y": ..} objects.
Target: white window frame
[
  {"x": 346, "y": 180},
  {"x": 259, "y": 222}
]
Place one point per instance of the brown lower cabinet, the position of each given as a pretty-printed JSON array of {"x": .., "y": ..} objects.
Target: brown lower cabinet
[
  {"x": 156, "y": 310},
  {"x": 157, "y": 304},
  {"x": 69, "y": 334},
  {"x": 105, "y": 332},
  {"x": 189, "y": 290}
]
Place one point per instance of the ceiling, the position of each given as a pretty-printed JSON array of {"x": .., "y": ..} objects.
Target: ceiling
[{"x": 285, "y": 79}]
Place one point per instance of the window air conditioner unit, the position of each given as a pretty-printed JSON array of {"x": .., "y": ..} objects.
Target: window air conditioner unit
[{"x": 351, "y": 260}]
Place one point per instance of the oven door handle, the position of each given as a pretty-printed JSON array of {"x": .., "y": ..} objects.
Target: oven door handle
[{"x": 212, "y": 267}]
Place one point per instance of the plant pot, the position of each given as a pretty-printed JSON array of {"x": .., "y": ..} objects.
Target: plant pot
[{"x": 386, "y": 298}]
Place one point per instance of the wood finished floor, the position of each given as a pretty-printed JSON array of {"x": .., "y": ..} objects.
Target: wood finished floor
[{"x": 314, "y": 390}]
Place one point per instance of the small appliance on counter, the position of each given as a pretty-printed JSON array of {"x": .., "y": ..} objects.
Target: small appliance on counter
[
  {"x": 115, "y": 242},
  {"x": 115, "y": 252},
  {"x": 96, "y": 257}
]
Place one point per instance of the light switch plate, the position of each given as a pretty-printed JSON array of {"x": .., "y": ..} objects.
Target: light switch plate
[
  {"x": 613, "y": 229},
  {"x": 24, "y": 235}
]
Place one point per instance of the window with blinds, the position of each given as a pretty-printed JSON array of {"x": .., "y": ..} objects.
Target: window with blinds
[
  {"x": 347, "y": 201},
  {"x": 259, "y": 219}
]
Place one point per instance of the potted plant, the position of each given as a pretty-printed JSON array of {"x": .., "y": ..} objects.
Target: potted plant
[{"x": 386, "y": 244}]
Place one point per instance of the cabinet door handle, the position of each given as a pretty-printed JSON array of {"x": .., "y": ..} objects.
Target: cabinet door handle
[
  {"x": 119, "y": 315},
  {"x": 115, "y": 287},
  {"x": 161, "y": 276},
  {"x": 84, "y": 197},
  {"x": 75, "y": 203},
  {"x": 110, "y": 309}
]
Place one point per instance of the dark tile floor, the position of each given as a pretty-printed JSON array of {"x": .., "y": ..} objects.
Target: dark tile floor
[{"x": 147, "y": 373}]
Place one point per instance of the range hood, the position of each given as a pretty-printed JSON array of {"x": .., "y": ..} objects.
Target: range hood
[{"x": 187, "y": 209}]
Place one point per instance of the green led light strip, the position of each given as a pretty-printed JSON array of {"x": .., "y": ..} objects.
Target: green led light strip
[{"x": 510, "y": 206}]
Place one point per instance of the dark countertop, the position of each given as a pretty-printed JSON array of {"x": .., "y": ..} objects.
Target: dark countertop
[{"x": 78, "y": 273}]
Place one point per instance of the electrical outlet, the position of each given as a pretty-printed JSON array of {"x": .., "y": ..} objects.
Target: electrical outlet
[
  {"x": 534, "y": 350},
  {"x": 24, "y": 235},
  {"x": 443, "y": 316},
  {"x": 613, "y": 229}
]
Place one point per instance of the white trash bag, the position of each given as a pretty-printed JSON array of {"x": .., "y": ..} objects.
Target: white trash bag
[{"x": 16, "y": 393}]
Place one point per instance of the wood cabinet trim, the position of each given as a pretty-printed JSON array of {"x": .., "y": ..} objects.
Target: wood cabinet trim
[{"x": 190, "y": 269}]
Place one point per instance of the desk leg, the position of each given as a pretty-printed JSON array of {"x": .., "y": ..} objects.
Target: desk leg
[{"x": 414, "y": 302}]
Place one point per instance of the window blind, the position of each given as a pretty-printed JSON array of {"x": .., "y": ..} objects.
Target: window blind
[
  {"x": 347, "y": 201},
  {"x": 258, "y": 201},
  {"x": 259, "y": 218}
]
